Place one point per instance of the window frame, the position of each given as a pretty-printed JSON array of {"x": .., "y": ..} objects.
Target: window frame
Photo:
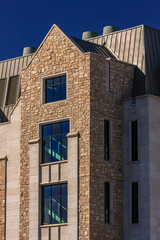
[
  {"x": 110, "y": 140},
  {"x": 40, "y": 136},
  {"x": 52, "y": 123},
  {"x": 8, "y": 87},
  {"x": 4, "y": 92},
  {"x": 44, "y": 79},
  {"x": 130, "y": 141},
  {"x": 42, "y": 200},
  {"x": 131, "y": 203}
]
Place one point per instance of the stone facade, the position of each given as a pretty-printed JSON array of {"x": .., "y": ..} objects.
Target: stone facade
[
  {"x": 57, "y": 54},
  {"x": 2, "y": 197},
  {"x": 98, "y": 89},
  {"x": 106, "y": 105}
]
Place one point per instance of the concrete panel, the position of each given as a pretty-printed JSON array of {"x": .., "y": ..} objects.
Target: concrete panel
[
  {"x": 44, "y": 234},
  {"x": 54, "y": 172},
  {"x": 63, "y": 171},
  {"x": 10, "y": 146},
  {"x": 136, "y": 171},
  {"x": 64, "y": 232},
  {"x": 154, "y": 142},
  {"x": 45, "y": 174},
  {"x": 34, "y": 191},
  {"x": 54, "y": 233},
  {"x": 72, "y": 186}
]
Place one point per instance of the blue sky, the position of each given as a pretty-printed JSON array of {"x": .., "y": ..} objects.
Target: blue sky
[{"x": 26, "y": 22}]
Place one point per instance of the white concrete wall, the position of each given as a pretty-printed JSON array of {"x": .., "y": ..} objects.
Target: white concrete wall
[
  {"x": 10, "y": 146},
  {"x": 34, "y": 191},
  {"x": 136, "y": 171}
]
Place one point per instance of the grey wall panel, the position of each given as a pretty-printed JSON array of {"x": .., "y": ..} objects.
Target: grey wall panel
[
  {"x": 13, "y": 66},
  {"x": 10, "y": 68}
]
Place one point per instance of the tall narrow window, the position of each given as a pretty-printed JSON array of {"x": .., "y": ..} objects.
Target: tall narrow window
[
  {"x": 134, "y": 133},
  {"x": 2, "y": 87},
  {"x": 12, "y": 90},
  {"x": 106, "y": 140},
  {"x": 54, "y": 204},
  {"x": 54, "y": 141},
  {"x": 135, "y": 202},
  {"x": 107, "y": 202}
]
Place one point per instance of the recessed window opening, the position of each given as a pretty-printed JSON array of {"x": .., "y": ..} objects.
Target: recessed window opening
[
  {"x": 54, "y": 204},
  {"x": 107, "y": 202},
  {"x": 55, "y": 89},
  {"x": 134, "y": 140},
  {"x": 2, "y": 89},
  {"x": 54, "y": 142},
  {"x": 106, "y": 140},
  {"x": 12, "y": 90},
  {"x": 135, "y": 206}
]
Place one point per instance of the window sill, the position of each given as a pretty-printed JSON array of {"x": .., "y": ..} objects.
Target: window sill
[
  {"x": 53, "y": 225},
  {"x": 50, "y": 103},
  {"x": 53, "y": 163},
  {"x": 133, "y": 162}
]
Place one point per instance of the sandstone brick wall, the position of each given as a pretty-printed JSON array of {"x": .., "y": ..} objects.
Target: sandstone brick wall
[
  {"x": 2, "y": 198},
  {"x": 56, "y": 55},
  {"x": 107, "y": 106}
]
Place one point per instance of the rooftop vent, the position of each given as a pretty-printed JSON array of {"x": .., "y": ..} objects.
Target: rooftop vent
[
  {"x": 29, "y": 50},
  {"x": 89, "y": 34},
  {"x": 110, "y": 29}
]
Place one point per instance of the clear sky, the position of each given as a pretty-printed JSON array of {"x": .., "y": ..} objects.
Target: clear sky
[{"x": 26, "y": 22}]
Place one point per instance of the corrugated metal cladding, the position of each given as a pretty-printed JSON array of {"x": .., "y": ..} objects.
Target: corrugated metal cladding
[
  {"x": 139, "y": 46},
  {"x": 10, "y": 71}
]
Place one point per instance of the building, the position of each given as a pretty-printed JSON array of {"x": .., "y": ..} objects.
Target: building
[{"x": 79, "y": 146}]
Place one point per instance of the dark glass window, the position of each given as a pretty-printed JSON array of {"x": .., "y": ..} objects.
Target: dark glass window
[
  {"x": 55, "y": 89},
  {"x": 135, "y": 202},
  {"x": 54, "y": 204},
  {"x": 107, "y": 202},
  {"x": 12, "y": 90},
  {"x": 2, "y": 87},
  {"x": 54, "y": 141},
  {"x": 134, "y": 141},
  {"x": 106, "y": 140}
]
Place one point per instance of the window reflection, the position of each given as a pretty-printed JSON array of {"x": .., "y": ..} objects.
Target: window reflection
[
  {"x": 54, "y": 204},
  {"x": 54, "y": 141}
]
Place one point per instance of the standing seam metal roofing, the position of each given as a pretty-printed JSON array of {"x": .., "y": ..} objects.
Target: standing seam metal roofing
[{"x": 92, "y": 47}]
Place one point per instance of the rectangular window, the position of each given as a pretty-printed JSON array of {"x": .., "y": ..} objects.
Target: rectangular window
[
  {"x": 55, "y": 89},
  {"x": 107, "y": 202},
  {"x": 54, "y": 142},
  {"x": 134, "y": 135},
  {"x": 106, "y": 140},
  {"x": 135, "y": 202},
  {"x": 54, "y": 204},
  {"x": 12, "y": 90},
  {"x": 2, "y": 88}
]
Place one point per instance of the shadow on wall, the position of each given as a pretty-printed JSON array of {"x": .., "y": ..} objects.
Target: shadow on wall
[
  {"x": 139, "y": 83},
  {"x": 3, "y": 117}
]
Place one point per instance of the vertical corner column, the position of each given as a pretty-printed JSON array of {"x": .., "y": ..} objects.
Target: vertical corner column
[
  {"x": 73, "y": 185},
  {"x": 34, "y": 190},
  {"x": 3, "y": 168}
]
